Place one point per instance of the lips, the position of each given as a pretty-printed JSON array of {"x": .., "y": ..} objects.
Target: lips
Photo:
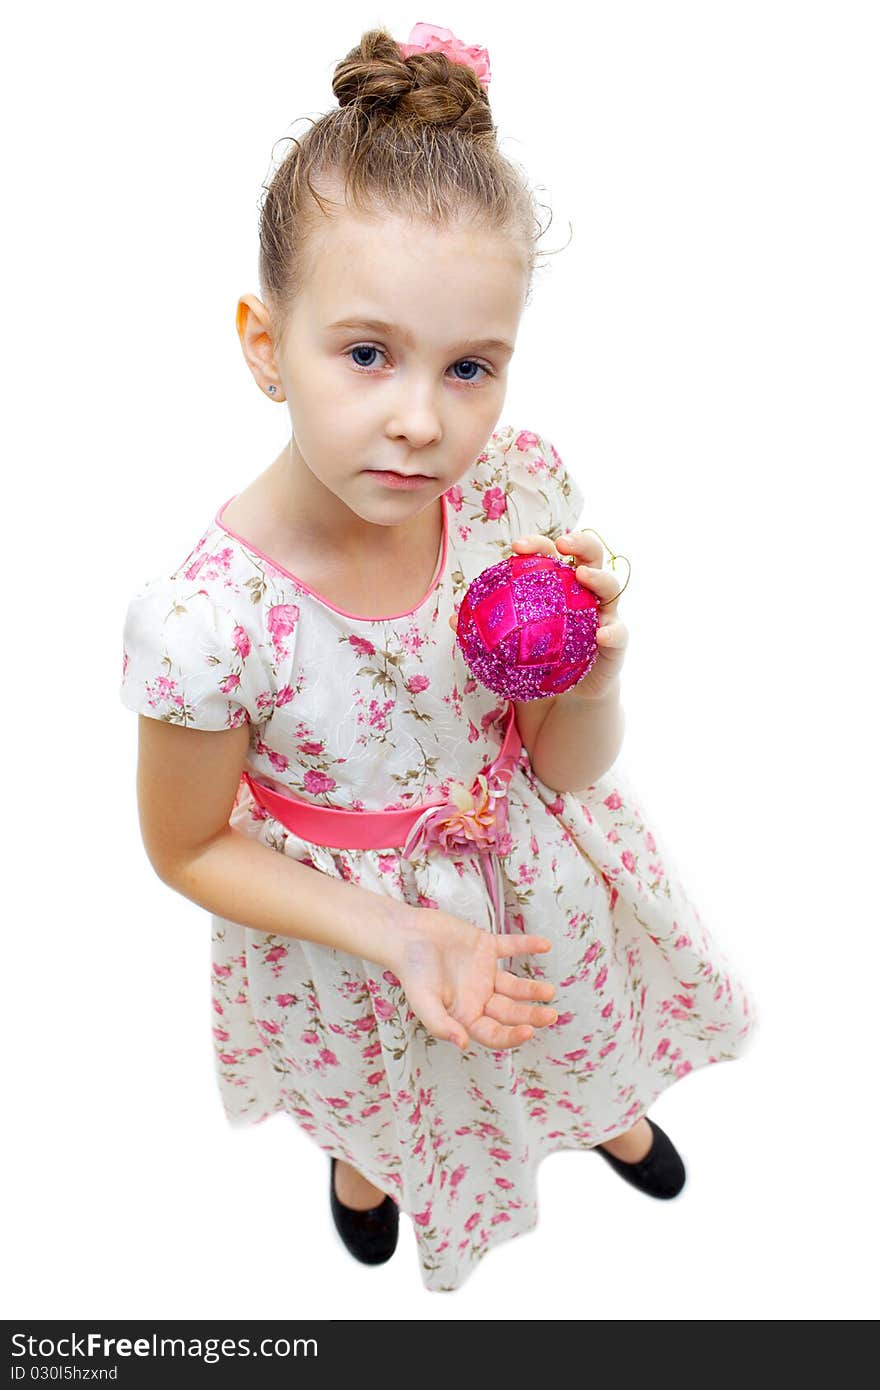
[
  {"x": 395, "y": 474},
  {"x": 387, "y": 477}
]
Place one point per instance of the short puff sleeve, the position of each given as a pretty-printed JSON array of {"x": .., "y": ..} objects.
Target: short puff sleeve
[
  {"x": 187, "y": 659},
  {"x": 543, "y": 497}
]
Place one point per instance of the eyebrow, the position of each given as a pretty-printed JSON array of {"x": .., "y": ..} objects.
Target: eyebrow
[{"x": 380, "y": 326}]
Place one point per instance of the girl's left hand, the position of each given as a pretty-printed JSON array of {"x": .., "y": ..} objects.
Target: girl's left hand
[{"x": 612, "y": 636}]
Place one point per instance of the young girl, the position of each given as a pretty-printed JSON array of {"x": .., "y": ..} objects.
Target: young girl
[{"x": 445, "y": 939}]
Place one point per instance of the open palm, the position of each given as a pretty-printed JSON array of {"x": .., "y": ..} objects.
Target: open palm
[{"x": 450, "y": 973}]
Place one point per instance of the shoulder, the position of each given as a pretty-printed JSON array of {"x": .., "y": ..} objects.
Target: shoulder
[
  {"x": 214, "y": 562},
  {"x": 192, "y": 658},
  {"x": 196, "y": 631},
  {"x": 520, "y": 478},
  {"x": 205, "y": 591},
  {"x": 187, "y": 616},
  {"x": 524, "y": 455},
  {"x": 216, "y": 583}
]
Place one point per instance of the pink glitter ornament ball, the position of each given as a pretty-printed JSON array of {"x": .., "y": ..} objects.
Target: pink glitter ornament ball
[{"x": 527, "y": 627}]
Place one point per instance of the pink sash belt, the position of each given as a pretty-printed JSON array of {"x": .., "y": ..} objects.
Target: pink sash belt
[{"x": 471, "y": 820}]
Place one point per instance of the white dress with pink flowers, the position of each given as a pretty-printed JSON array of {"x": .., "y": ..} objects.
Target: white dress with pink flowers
[{"x": 361, "y": 713}]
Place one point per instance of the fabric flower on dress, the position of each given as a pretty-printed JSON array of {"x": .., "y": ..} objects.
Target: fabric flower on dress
[
  {"x": 473, "y": 819},
  {"x": 475, "y": 816}
]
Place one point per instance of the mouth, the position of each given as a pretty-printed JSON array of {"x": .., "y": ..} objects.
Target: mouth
[
  {"x": 395, "y": 472},
  {"x": 389, "y": 478}
]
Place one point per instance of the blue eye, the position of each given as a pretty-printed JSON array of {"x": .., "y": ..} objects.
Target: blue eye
[
  {"x": 468, "y": 361},
  {"x": 362, "y": 347}
]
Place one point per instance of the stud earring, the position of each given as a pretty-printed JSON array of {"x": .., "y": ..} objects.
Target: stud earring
[{"x": 271, "y": 390}]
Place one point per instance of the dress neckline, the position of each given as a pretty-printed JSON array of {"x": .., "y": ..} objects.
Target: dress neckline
[{"x": 357, "y": 617}]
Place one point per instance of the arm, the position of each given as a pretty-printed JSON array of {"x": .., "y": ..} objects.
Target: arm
[
  {"x": 187, "y": 783},
  {"x": 262, "y": 888},
  {"x": 579, "y": 740}
]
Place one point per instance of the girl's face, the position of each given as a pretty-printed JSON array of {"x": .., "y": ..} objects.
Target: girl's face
[{"x": 418, "y": 389}]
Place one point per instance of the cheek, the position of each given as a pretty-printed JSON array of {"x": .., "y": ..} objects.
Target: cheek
[
  {"x": 324, "y": 385},
  {"x": 338, "y": 395},
  {"x": 323, "y": 405}
]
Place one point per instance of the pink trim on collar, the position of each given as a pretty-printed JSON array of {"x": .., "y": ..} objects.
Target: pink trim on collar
[{"x": 357, "y": 617}]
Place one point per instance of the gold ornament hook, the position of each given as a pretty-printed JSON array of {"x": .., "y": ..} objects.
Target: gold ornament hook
[{"x": 574, "y": 562}]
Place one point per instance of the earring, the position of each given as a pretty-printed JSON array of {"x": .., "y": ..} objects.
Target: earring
[{"x": 271, "y": 390}]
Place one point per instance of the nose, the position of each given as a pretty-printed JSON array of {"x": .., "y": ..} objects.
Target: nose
[{"x": 415, "y": 418}]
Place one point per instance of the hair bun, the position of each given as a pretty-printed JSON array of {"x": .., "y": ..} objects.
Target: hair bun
[{"x": 424, "y": 89}]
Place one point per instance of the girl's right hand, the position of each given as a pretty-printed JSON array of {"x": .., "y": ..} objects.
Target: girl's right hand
[{"x": 450, "y": 973}]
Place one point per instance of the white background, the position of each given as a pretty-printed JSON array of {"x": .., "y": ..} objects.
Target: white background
[{"x": 704, "y": 355}]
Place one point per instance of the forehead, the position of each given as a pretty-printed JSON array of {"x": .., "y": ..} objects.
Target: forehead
[{"x": 411, "y": 273}]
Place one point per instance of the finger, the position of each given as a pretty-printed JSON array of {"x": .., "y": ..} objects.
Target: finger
[
  {"x": 436, "y": 1019},
  {"x": 453, "y": 621},
  {"x": 510, "y": 1011},
  {"x": 613, "y": 635},
  {"x": 509, "y": 945},
  {"x": 583, "y": 544},
  {"x": 534, "y": 545},
  {"x": 494, "y": 1035},
  {"x": 518, "y": 987},
  {"x": 601, "y": 582}
]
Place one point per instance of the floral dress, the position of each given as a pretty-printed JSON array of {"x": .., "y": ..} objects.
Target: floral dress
[{"x": 364, "y": 713}]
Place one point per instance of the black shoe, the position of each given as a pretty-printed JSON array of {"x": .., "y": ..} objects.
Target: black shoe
[
  {"x": 660, "y": 1173},
  {"x": 371, "y": 1236}
]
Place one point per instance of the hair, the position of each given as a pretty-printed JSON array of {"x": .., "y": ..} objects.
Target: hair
[{"x": 412, "y": 137}]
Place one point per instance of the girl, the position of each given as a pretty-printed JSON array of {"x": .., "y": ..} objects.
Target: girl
[{"x": 446, "y": 940}]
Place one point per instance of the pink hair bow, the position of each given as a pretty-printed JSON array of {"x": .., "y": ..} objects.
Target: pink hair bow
[{"x": 430, "y": 38}]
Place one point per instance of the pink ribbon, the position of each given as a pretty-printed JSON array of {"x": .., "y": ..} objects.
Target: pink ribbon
[{"x": 470, "y": 820}]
